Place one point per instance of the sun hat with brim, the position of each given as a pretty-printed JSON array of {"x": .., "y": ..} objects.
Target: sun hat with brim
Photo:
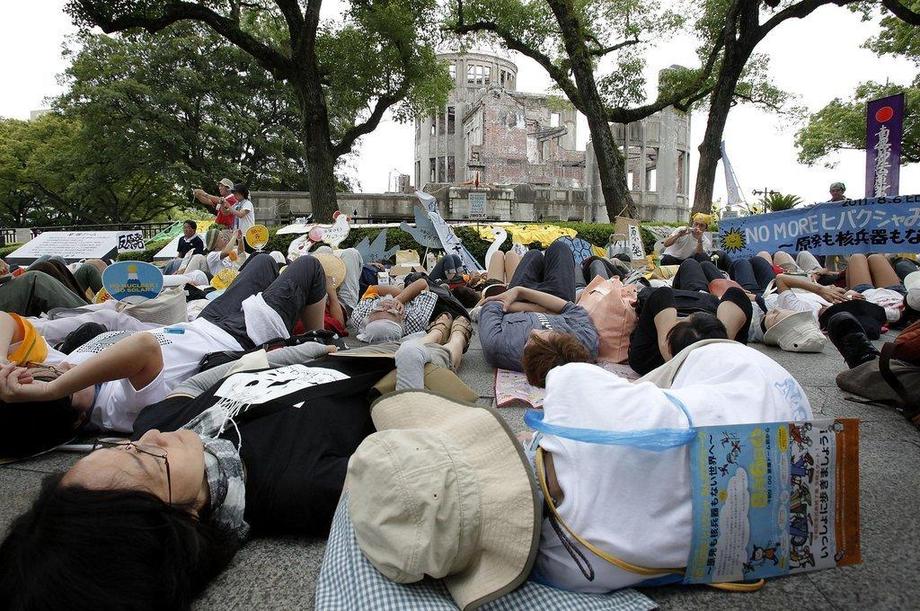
[
  {"x": 796, "y": 333},
  {"x": 912, "y": 284},
  {"x": 870, "y": 315},
  {"x": 444, "y": 490},
  {"x": 226, "y": 182},
  {"x": 333, "y": 266}
]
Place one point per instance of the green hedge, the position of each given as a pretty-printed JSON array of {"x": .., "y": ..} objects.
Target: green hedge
[
  {"x": 6, "y": 250},
  {"x": 594, "y": 233}
]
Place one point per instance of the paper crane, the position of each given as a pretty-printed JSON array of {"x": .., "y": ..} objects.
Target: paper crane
[
  {"x": 500, "y": 236},
  {"x": 424, "y": 232},
  {"x": 376, "y": 250}
]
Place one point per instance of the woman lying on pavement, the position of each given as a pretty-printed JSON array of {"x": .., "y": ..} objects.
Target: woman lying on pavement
[
  {"x": 250, "y": 451},
  {"x": 538, "y": 311},
  {"x": 485, "y": 533},
  {"x": 108, "y": 380}
]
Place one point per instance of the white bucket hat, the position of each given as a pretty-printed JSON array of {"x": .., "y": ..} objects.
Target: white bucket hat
[
  {"x": 912, "y": 284},
  {"x": 797, "y": 332},
  {"x": 443, "y": 489}
]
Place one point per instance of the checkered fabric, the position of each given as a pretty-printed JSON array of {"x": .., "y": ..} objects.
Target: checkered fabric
[
  {"x": 418, "y": 312},
  {"x": 347, "y": 580}
]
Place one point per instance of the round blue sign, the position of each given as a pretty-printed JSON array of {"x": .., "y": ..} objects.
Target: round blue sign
[{"x": 132, "y": 281}]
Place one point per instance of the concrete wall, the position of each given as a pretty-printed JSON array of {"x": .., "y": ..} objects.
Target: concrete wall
[{"x": 506, "y": 203}]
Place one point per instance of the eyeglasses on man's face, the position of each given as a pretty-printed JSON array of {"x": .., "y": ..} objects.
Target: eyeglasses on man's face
[{"x": 139, "y": 448}]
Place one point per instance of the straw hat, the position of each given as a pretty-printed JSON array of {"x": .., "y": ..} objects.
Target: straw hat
[
  {"x": 443, "y": 489},
  {"x": 333, "y": 267}
]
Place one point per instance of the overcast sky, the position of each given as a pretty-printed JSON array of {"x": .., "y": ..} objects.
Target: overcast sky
[{"x": 818, "y": 58}]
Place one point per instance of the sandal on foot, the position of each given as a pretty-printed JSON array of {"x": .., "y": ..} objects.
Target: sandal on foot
[
  {"x": 443, "y": 325},
  {"x": 462, "y": 325}
]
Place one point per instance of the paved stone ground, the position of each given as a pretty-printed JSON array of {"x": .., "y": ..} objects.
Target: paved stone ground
[{"x": 280, "y": 573}]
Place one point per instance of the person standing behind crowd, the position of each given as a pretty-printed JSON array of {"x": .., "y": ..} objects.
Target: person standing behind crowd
[
  {"x": 243, "y": 212},
  {"x": 837, "y": 192},
  {"x": 190, "y": 240},
  {"x": 688, "y": 242},
  {"x": 220, "y": 203}
]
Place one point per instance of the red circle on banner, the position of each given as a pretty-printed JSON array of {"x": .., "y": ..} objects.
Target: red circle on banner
[{"x": 884, "y": 114}]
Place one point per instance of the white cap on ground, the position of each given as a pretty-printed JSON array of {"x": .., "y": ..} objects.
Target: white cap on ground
[
  {"x": 797, "y": 332},
  {"x": 912, "y": 284}
]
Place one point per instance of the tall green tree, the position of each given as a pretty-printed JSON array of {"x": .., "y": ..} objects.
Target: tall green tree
[
  {"x": 192, "y": 103},
  {"x": 569, "y": 39},
  {"x": 344, "y": 76},
  {"x": 743, "y": 25}
]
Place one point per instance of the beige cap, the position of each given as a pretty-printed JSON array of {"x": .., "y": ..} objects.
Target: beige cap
[
  {"x": 797, "y": 332},
  {"x": 333, "y": 266},
  {"x": 443, "y": 489},
  {"x": 226, "y": 182},
  {"x": 912, "y": 284}
]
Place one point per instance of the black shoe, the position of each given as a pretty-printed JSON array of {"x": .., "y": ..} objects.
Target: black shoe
[
  {"x": 81, "y": 335},
  {"x": 850, "y": 339}
]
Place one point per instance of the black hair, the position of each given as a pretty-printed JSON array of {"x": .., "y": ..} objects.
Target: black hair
[
  {"x": 465, "y": 295},
  {"x": 191, "y": 224},
  {"x": 108, "y": 549},
  {"x": 315, "y": 245},
  {"x": 241, "y": 189},
  {"x": 36, "y": 426},
  {"x": 696, "y": 327}
]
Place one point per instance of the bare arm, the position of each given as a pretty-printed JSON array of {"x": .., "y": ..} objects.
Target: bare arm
[
  {"x": 412, "y": 291},
  {"x": 9, "y": 334},
  {"x": 335, "y": 307},
  {"x": 547, "y": 302},
  {"x": 833, "y": 294},
  {"x": 674, "y": 237}
]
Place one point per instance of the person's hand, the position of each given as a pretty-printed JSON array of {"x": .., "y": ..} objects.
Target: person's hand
[
  {"x": 506, "y": 298},
  {"x": 18, "y": 386},
  {"x": 330, "y": 349},
  {"x": 330, "y": 285},
  {"x": 683, "y": 231},
  {"x": 834, "y": 294},
  {"x": 4, "y": 268},
  {"x": 851, "y": 294}
]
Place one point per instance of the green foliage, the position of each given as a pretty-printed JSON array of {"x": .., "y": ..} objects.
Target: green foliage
[
  {"x": 896, "y": 37},
  {"x": 151, "y": 249},
  {"x": 6, "y": 250},
  {"x": 842, "y": 124},
  {"x": 774, "y": 202}
]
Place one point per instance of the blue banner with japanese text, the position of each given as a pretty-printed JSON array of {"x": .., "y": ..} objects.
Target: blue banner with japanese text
[{"x": 882, "y": 224}]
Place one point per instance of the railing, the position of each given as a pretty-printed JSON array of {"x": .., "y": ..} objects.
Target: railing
[
  {"x": 149, "y": 229},
  {"x": 7, "y": 236}
]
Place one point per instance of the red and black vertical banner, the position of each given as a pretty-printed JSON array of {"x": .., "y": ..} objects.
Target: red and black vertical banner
[{"x": 884, "y": 126}]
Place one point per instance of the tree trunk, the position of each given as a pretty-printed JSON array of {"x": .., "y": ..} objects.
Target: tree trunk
[
  {"x": 320, "y": 158},
  {"x": 610, "y": 164}
]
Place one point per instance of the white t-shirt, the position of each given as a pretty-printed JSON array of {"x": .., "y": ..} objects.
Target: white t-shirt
[
  {"x": 797, "y": 300},
  {"x": 685, "y": 246},
  {"x": 632, "y": 503},
  {"x": 891, "y": 301},
  {"x": 244, "y": 222},
  {"x": 118, "y": 403},
  {"x": 216, "y": 263}
]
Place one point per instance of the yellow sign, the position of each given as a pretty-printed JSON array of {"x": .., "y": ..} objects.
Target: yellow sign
[{"x": 257, "y": 236}]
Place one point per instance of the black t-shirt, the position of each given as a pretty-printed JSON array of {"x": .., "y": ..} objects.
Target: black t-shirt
[
  {"x": 194, "y": 244},
  {"x": 295, "y": 457}
]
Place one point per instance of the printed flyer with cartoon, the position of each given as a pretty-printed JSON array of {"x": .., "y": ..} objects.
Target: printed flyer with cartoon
[{"x": 773, "y": 499}]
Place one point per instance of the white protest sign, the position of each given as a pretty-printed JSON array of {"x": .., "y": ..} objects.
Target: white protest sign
[
  {"x": 477, "y": 205},
  {"x": 130, "y": 241},
  {"x": 630, "y": 228},
  {"x": 71, "y": 245}
]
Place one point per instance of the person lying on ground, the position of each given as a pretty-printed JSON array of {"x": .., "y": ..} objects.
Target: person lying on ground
[
  {"x": 149, "y": 523},
  {"x": 34, "y": 293},
  {"x": 538, "y": 309},
  {"x": 85, "y": 280},
  {"x": 865, "y": 377},
  {"x": 226, "y": 252},
  {"x": 108, "y": 380},
  {"x": 776, "y": 319},
  {"x": 672, "y": 319},
  {"x": 347, "y": 293},
  {"x": 386, "y": 313},
  {"x": 473, "y": 464}
]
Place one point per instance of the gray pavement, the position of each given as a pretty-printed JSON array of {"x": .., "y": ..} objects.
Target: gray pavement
[{"x": 281, "y": 573}]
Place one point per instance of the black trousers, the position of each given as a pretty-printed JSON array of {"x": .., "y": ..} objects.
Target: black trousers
[
  {"x": 551, "y": 272},
  {"x": 753, "y": 274},
  {"x": 695, "y": 275},
  {"x": 303, "y": 283},
  {"x": 452, "y": 263}
]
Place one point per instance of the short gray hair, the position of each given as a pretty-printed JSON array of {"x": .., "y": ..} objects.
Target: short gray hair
[{"x": 838, "y": 185}]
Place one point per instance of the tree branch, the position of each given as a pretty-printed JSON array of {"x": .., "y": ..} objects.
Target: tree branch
[
  {"x": 269, "y": 58},
  {"x": 902, "y": 12},
  {"x": 559, "y": 76},
  {"x": 796, "y": 11},
  {"x": 601, "y": 51},
  {"x": 356, "y": 131}
]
